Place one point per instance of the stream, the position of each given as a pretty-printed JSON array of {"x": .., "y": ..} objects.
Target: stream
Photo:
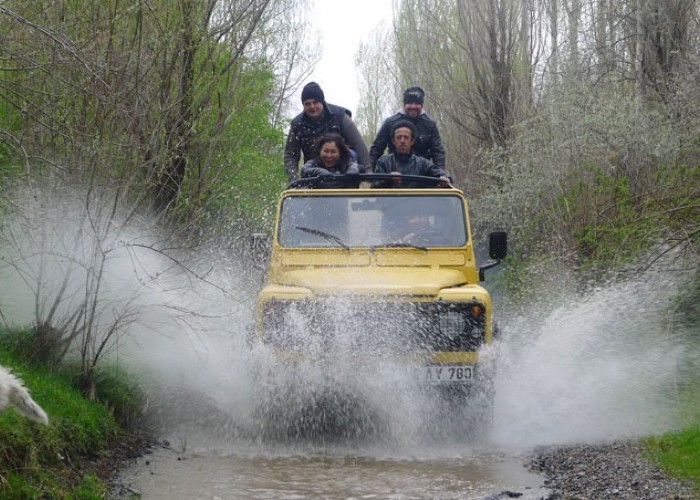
[{"x": 473, "y": 475}]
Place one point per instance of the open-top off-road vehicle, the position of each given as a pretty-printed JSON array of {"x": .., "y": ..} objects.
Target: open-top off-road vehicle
[{"x": 388, "y": 275}]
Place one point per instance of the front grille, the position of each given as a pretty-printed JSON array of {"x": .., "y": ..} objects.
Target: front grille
[{"x": 376, "y": 326}]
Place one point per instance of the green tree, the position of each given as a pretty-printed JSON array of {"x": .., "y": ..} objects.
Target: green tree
[{"x": 117, "y": 109}]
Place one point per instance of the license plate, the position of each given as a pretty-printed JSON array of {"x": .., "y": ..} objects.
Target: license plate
[{"x": 442, "y": 374}]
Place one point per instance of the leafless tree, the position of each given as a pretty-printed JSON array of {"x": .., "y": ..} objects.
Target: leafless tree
[
  {"x": 612, "y": 98},
  {"x": 476, "y": 62},
  {"x": 378, "y": 83}
]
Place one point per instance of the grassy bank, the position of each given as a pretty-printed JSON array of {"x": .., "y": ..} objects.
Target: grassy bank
[
  {"x": 679, "y": 452},
  {"x": 84, "y": 443}
]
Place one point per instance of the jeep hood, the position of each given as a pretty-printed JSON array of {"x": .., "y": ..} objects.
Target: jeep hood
[{"x": 394, "y": 281}]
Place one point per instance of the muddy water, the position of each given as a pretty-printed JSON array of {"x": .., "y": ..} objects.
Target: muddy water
[
  {"x": 218, "y": 449},
  {"x": 479, "y": 475}
]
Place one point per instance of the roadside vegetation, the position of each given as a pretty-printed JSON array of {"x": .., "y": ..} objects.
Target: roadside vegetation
[
  {"x": 128, "y": 132},
  {"x": 85, "y": 441},
  {"x": 148, "y": 128},
  {"x": 679, "y": 452}
]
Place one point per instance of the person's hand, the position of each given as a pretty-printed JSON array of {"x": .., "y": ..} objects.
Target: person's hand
[
  {"x": 444, "y": 181},
  {"x": 397, "y": 178}
]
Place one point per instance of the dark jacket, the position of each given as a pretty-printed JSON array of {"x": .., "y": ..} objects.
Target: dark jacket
[
  {"x": 428, "y": 143},
  {"x": 303, "y": 134},
  {"x": 408, "y": 165},
  {"x": 316, "y": 168}
]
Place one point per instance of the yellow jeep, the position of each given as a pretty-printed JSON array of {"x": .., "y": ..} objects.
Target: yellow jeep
[{"x": 382, "y": 274}]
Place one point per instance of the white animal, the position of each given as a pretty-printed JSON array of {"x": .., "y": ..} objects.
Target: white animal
[{"x": 13, "y": 393}]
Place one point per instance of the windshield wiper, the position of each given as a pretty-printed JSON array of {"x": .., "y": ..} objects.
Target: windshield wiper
[
  {"x": 399, "y": 244},
  {"x": 323, "y": 234}
]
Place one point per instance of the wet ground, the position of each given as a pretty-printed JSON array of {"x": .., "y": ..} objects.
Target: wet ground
[{"x": 476, "y": 474}]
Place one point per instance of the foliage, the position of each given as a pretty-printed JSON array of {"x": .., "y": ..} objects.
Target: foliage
[
  {"x": 116, "y": 390},
  {"x": 597, "y": 181},
  {"x": 568, "y": 125},
  {"x": 679, "y": 453},
  {"x": 609, "y": 222},
  {"x": 152, "y": 102},
  {"x": 168, "y": 111},
  {"x": 246, "y": 173},
  {"x": 38, "y": 461}
]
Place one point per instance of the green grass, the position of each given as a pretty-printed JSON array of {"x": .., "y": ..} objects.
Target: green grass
[
  {"x": 678, "y": 453},
  {"x": 69, "y": 458}
]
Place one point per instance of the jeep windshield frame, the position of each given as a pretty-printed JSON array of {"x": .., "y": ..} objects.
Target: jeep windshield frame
[
  {"x": 391, "y": 180},
  {"x": 364, "y": 219}
]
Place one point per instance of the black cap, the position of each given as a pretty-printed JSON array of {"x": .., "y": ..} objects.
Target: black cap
[
  {"x": 413, "y": 94},
  {"x": 312, "y": 90}
]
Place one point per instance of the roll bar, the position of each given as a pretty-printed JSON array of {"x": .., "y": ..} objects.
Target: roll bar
[{"x": 353, "y": 180}]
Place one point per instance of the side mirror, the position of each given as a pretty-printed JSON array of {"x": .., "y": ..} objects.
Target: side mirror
[
  {"x": 498, "y": 245},
  {"x": 498, "y": 249}
]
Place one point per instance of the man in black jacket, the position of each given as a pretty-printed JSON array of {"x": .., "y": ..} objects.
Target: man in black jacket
[
  {"x": 427, "y": 140},
  {"x": 318, "y": 118},
  {"x": 404, "y": 161}
]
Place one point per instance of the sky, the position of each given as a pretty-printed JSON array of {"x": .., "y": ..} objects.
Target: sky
[{"x": 342, "y": 25}]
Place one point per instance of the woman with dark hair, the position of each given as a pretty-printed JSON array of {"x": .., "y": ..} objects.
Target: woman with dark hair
[{"x": 333, "y": 158}]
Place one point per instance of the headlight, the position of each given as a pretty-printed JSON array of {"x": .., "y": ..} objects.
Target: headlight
[
  {"x": 461, "y": 326},
  {"x": 452, "y": 323}
]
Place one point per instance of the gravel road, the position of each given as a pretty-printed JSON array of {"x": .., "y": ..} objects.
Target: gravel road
[{"x": 610, "y": 471}]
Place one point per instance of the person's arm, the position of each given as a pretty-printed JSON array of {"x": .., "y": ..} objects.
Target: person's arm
[
  {"x": 383, "y": 165},
  {"x": 310, "y": 169},
  {"x": 292, "y": 155},
  {"x": 380, "y": 143},
  {"x": 436, "y": 148},
  {"x": 429, "y": 169},
  {"x": 354, "y": 140},
  {"x": 433, "y": 170}
]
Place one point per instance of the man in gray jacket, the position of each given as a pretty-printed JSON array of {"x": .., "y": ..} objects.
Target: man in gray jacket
[
  {"x": 427, "y": 137},
  {"x": 404, "y": 161},
  {"x": 318, "y": 118}
]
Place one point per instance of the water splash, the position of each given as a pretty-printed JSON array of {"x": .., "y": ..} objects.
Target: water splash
[
  {"x": 598, "y": 367},
  {"x": 601, "y": 366}
]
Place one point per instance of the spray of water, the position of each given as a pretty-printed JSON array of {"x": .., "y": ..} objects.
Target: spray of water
[{"x": 598, "y": 367}]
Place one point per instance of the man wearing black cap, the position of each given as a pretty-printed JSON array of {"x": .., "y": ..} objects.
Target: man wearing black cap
[
  {"x": 427, "y": 141},
  {"x": 318, "y": 118}
]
